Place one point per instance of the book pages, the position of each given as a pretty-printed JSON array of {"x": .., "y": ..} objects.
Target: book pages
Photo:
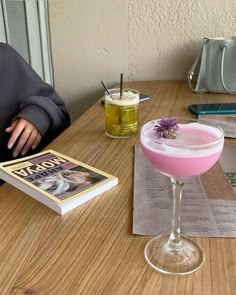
[{"x": 56, "y": 180}]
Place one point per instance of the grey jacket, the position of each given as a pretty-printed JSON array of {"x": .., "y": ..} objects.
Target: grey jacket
[{"x": 23, "y": 94}]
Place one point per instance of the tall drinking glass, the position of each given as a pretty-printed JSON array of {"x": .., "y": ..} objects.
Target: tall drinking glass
[
  {"x": 121, "y": 113},
  {"x": 179, "y": 150}
]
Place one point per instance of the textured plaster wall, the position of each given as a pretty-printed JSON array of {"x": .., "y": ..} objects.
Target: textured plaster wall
[
  {"x": 145, "y": 39},
  {"x": 89, "y": 44},
  {"x": 165, "y": 35}
]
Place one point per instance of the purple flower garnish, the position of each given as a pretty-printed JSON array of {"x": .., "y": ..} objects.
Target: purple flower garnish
[{"x": 167, "y": 128}]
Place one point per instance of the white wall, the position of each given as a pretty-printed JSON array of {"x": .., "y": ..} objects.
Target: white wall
[{"x": 94, "y": 40}]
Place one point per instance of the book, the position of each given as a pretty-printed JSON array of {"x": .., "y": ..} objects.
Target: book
[{"x": 58, "y": 181}]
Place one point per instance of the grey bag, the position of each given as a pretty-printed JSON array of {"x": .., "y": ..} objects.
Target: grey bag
[{"x": 217, "y": 71}]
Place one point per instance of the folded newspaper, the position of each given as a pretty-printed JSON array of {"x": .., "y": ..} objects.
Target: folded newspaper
[{"x": 226, "y": 122}]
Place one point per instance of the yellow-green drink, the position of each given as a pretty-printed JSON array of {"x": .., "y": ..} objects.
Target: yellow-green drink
[{"x": 121, "y": 113}]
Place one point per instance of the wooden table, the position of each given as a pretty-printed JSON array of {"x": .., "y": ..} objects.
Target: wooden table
[{"x": 91, "y": 250}]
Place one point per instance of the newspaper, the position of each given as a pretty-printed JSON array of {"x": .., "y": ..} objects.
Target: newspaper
[
  {"x": 208, "y": 202},
  {"x": 226, "y": 122}
]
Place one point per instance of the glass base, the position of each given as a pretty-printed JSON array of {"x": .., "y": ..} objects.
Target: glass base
[
  {"x": 119, "y": 136},
  {"x": 168, "y": 257}
]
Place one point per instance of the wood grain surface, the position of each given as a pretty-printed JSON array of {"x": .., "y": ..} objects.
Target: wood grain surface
[{"x": 91, "y": 249}]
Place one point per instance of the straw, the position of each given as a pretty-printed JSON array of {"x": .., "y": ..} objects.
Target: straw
[
  {"x": 121, "y": 85},
  {"x": 103, "y": 84}
]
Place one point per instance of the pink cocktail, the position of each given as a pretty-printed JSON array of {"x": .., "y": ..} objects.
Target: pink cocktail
[
  {"x": 194, "y": 151},
  {"x": 180, "y": 150}
]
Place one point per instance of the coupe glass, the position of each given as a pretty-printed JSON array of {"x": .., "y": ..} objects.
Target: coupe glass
[{"x": 196, "y": 148}]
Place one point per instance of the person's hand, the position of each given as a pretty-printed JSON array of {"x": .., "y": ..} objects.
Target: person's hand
[{"x": 27, "y": 134}]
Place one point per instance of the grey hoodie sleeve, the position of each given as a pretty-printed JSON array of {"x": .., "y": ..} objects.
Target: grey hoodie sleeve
[{"x": 36, "y": 101}]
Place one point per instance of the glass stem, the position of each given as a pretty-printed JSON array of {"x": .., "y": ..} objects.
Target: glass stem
[{"x": 177, "y": 196}]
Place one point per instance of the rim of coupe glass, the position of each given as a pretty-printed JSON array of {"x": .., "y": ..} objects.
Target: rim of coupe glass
[{"x": 173, "y": 143}]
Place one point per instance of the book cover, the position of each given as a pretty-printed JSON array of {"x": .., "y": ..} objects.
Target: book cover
[{"x": 56, "y": 180}]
